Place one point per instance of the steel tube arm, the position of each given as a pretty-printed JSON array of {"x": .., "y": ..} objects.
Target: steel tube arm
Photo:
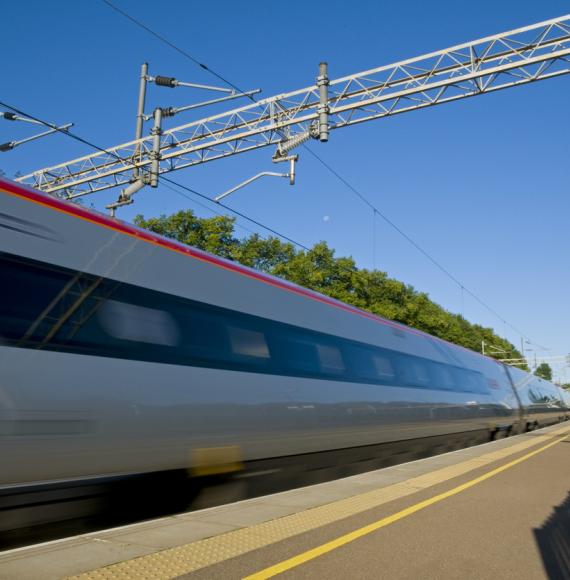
[{"x": 248, "y": 181}]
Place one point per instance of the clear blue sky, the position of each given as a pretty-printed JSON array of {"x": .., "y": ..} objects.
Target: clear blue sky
[{"x": 481, "y": 184}]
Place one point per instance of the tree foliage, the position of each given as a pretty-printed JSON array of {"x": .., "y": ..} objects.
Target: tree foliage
[
  {"x": 544, "y": 371},
  {"x": 338, "y": 277}
]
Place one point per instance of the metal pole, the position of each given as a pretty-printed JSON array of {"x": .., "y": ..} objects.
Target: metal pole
[
  {"x": 155, "y": 155},
  {"x": 323, "y": 109},
  {"x": 292, "y": 162},
  {"x": 140, "y": 114}
]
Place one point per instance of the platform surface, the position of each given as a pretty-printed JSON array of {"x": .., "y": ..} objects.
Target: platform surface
[{"x": 500, "y": 510}]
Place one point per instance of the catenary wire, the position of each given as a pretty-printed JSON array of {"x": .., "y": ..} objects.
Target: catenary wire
[
  {"x": 329, "y": 168},
  {"x": 205, "y": 207},
  {"x": 174, "y": 47},
  {"x": 238, "y": 213}
]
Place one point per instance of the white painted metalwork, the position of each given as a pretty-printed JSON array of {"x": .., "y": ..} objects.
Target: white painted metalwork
[
  {"x": 518, "y": 57},
  {"x": 291, "y": 175},
  {"x": 9, "y": 145},
  {"x": 219, "y": 198}
]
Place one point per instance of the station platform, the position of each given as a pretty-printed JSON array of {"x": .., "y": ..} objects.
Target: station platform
[{"x": 499, "y": 510}]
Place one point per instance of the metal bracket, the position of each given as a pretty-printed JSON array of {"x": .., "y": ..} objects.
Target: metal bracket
[
  {"x": 292, "y": 160},
  {"x": 291, "y": 175},
  {"x": 126, "y": 195}
]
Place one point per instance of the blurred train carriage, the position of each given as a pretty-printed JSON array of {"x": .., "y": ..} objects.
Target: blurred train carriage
[{"x": 124, "y": 353}]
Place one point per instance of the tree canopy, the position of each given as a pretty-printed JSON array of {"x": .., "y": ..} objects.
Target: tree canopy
[
  {"x": 544, "y": 371},
  {"x": 338, "y": 277}
]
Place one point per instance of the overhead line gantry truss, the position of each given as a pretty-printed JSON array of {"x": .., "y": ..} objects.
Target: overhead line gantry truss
[{"x": 518, "y": 57}]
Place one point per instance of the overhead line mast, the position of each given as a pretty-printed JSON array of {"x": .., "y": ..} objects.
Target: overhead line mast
[{"x": 513, "y": 58}]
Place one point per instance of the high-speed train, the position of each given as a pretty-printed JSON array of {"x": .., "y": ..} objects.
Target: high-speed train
[{"x": 125, "y": 353}]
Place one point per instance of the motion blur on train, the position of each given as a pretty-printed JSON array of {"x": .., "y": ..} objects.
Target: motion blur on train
[{"x": 127, "y": 357}]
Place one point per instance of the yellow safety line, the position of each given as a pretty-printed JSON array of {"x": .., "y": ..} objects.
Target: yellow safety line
[
  {"x": 173, "y": 562},
  {"x": 359, "y": 533}
]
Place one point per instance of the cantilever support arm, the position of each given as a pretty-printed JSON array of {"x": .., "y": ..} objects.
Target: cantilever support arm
[
  {"x": 291, "y": 175},
  {"x": 218, "y": 198},
  {"x": 11, "y": 144}
]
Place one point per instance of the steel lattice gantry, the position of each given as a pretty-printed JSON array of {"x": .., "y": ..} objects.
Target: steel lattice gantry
[{"x": 521, "y": 56}]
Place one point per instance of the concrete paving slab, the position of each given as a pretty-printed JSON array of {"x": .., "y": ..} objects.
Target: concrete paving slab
[
  {"x": 58, "y": 560},
  {"x": 171, "y": 533},
  {"x": 309, "y": 498},
  {"x": 253, "y": 514}
]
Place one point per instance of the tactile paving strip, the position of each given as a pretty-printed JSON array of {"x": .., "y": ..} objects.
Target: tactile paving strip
[{"x": 181, "y": 560}]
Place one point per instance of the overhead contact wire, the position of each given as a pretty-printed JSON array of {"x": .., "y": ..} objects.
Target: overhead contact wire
[{"x": 176, "y": 48}]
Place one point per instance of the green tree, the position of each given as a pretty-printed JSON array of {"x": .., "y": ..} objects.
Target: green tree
[
  {"x": 544, "y": 371},
  {"x": 214, "y": 235},
  {"x": 263, "y": 254}
]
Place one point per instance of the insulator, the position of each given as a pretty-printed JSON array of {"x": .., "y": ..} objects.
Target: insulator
[
  {"x": 284, "y": 147},
  {"x": 165, "y": 81},
  {"x": 7, "y": 146},
  {"x": 9, "y": 116}
]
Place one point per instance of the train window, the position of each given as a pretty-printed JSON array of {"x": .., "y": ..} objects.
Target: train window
[
  {"x": 249, "y": 343},
  {"x": 203, "y": 335},
  {"x": 467, "y": 381},
  {"x": 533, "y": 396},
  {"x": 383, "y": 367},
  {"x": 27, "y": 293},
  {"x": 483, "y": 385},
  {"x": 368, "y": 364},
  {"x": 412, "y": 372},
  {"x": 537, "y": 392},
  {"x": 296, "y": 355},
  {"x": 463, "y": 380},
  {"x": 138, "y": 323},
  {"x": 443, "y": 377},
  {"x": 403, "y": 372},
  {"x": 479, "y": 382},
  {"x": 544, "y": 396},
  {"x": 330, "y": 359},
  {"x": 421, "y": 373}
]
